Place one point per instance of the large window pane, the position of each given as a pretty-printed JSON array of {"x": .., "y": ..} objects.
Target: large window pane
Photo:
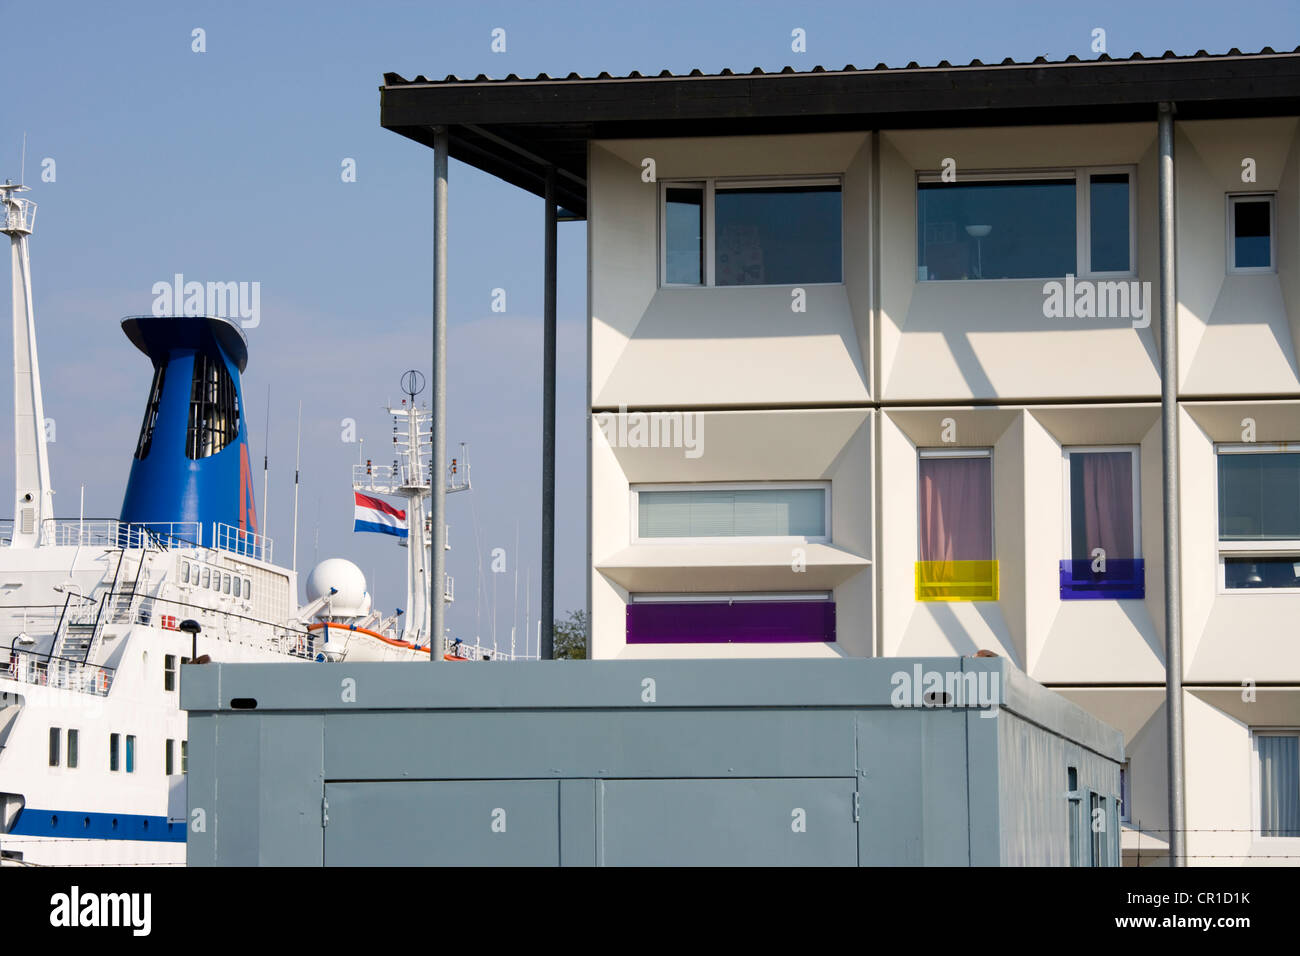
[
  {"x": 777, "y": 235},
  {"x": 1108, "y": 219},
  {"x": 1279, "y": 785},
  {"x": 1101, "y": 504},
  {"x": 1259, "y": 496},
  {"x": 956, "y": 509},
  {"x": 1252, "y": 233},
  {"x": 1023, "y": 229},
  {"x": 723, "y": 514},
  {"x": 684, "y": 225}
]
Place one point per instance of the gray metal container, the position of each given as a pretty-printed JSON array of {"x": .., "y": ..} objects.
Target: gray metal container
[{"x": 866, "y": 761}]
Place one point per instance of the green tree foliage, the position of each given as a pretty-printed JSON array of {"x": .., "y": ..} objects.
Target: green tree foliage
[{"x": 571, "y": 636}]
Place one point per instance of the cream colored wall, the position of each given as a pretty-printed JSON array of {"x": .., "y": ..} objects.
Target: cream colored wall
[
  {"x": 1230, "y": 635},
  {"x": 945, "y": 628},
  {"x": 961, "y": 340},
  {"x": 1221, "y": 773},
  {"x": 939, "y": 345},
  {"x": 723, "y": 346},
  {"x": 1236, "y": 335},
  {"x": 779, "y": 445}
]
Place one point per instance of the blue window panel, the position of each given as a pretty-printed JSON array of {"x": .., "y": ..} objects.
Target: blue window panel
[{"x": 1124, "y": 578}]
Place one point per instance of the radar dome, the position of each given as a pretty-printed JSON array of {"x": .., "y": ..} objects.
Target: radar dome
[{"x": 351, "y": 598}]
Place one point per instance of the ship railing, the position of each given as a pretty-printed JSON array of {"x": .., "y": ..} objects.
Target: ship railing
[
  {"x": 249, "y": 544},
  {"x": 111, "y": 533},
  {"x": 41, "y": 670},
  {"x": 387, "y": 479},
  {"x": 222, "y": 625}
]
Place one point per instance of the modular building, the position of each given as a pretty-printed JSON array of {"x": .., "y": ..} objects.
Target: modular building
[
  {"x": 899, "y": 761},
  {"x": 875, "y": 369}
]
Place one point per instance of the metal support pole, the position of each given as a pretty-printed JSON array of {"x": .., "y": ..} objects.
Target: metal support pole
[
  {"x": 1169, "y": 445},
  {"x": 438, "y": 465},
  {"x": 546, "y": 650}
]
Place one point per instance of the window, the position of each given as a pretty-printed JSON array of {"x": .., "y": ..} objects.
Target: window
[
  {"x": 206, "y": 572},
  {"x": 236, "y": 586},
  {"x": 225, "y": 584},
  {"x": 738, "y": 232},
  {"x": 185, "y": 756},
  {"x": 1277, "y": 754},
  {"x": 1259, "y": 517},
  {"x": 731, "y": 511},
  {"x": 1102, "y": 527},
  {"x": 185, "y": 572},
  {"x": 1126, "y": 792},
  {"x": 1038, "y": 225},
  {"x": 55, "y": 737},
  {"x": 169, "y": 672},
  {"x": 684, "y": 234},
  {"x": 248, "y": 589},
  {"x": 114, "y": 745},
  {"x": 151, "y": 412},
  {"x": 1075, "y": 814},
  {"x": 955, "y": 511},
  {"x": 745, "y": 618},
  {"x": 130, "y": 753},
  {"x": 168, "y": 766},
  {"x": 73, "y": 740},
  {"x": 1250, "y": 234},
  {"x": 214, "y": 408}
]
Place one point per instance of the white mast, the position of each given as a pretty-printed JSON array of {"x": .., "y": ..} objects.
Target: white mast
[
  {"x": 33, "y": 503},
  {"x": 297, "y": 466},
  {"x": 410, "y": 477}
]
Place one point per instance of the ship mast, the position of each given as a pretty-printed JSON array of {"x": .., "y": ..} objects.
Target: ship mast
[
  {"x": 409, "y": 478},
  {"x": 33, "y": 504}
]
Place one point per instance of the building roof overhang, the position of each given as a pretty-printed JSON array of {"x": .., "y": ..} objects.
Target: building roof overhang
[{"x": 515, "y": 128}]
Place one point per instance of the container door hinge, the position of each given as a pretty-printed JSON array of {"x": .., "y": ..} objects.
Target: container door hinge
[
  {"x": 325, "y": 813},
  {"x": 857, "y": 806}
]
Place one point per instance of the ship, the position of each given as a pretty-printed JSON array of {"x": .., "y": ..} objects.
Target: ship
[{"x": 98, "y": 617}]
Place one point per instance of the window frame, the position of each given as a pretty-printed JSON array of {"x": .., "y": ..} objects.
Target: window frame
[
  {"x": 1082, "y": 176},
  {"x": 55, "y": 754},
  {"x": 130, "y": 753},
  {"x": 1256, "y": 817},
  {"x": 710, "y": 185},
  {"x": 976, "y": 452},
  {"x": 1277, "y": 548},
  {"x": 1136, "y": 452},
  {"x": 1230, "y": 225},
  {"x": 170, "y": 672},
  {"x": 636, "y": 489},
  {"x": 114, "y": 753},
  {"x": 169, "y": 757},
  {"x": 731, "y": 597}
]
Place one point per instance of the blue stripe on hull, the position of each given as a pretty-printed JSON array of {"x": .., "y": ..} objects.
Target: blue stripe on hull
[{"x": 97, "y": 826}]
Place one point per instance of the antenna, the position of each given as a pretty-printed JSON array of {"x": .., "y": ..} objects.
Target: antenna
[
  {"x": 297, "y": 464},
  {"x": 22, "y": 176},
  {"x": 266, "y": 457}
]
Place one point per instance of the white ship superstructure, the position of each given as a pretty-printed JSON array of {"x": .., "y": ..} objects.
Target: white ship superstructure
[{"x": 97, "y": 616}]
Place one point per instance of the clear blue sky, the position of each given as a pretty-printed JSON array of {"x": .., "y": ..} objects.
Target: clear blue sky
[{"x": 225, "y": 166}]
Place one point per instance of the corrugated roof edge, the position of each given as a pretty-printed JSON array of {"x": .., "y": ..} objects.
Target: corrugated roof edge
[{"x": 396, "y": 79}]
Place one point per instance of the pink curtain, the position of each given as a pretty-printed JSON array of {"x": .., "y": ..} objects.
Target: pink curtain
[
  {"x": 956, "y": 509},
  {"x": 1107, "y": 504}
]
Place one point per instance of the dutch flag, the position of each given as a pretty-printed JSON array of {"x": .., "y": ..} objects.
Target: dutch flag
[{"x": 374, "y": 515}]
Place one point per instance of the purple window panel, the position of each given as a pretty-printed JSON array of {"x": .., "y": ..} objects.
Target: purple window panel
[{"x": 724, "y": 622}]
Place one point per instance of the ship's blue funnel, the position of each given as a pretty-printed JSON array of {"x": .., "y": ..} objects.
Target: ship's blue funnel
[{"x": 191, "y": 477}]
